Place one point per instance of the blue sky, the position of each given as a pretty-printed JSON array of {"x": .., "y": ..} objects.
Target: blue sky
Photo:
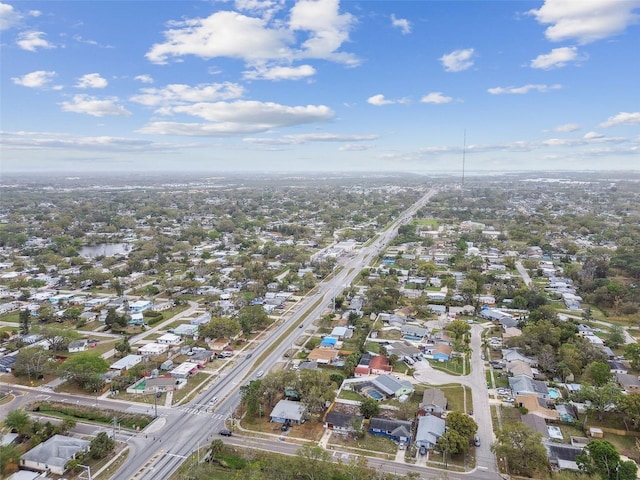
[{"x": 320, "y": 85}]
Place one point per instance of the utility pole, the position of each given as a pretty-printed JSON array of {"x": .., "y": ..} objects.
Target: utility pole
[{"x": 114, "y": 427}]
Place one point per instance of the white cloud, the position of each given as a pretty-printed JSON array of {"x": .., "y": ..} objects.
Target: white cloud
[
  {"x": 524, "y": 89},
  {"x": 180, "y": 94},
  {"x": 402, "y": 23},
  {"x": 592, "y": 135},
  {"x": 280, "y": 73},
  {"x": 144, "y": 78},
  {"x": 379, "y": 100},
  {"x": 458, "y": 60},
  {"x": 312, "y": 137},
  {"x": 355, "y": 147},
  {"x": 436, "y": 97},
  {"x": 31, "y": 41},
  {"x": 223, "y": 34},
  {"x": 257, "y": 40},
  {"x": 328, "y": 29},
  {"x": 265, "y": 8},
  {"x": 91, "y": 80},
  {"x": 36, "y": 79},
  {"x": 556, "y": 58},
  {"x": 49, "y": 140},
  {"x": 585, "y": 21},
  {"x": 8, "y": 16},
  {"x": 622, "y": 118},
  {"x": 567, "y": 127},
  {"x": 95, "y": 107},
  {"x": 232, "y": 118}
]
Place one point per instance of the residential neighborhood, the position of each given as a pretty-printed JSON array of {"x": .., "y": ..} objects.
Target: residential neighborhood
[{"x": 444, "y": 344}]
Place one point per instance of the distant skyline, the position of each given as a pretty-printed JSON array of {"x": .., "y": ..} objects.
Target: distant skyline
[{"x": 319, "y": 85}]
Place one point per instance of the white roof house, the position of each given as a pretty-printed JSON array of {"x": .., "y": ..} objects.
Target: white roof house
[
  {"x": 151, "y": 349},
  {"x": 184, "y": 370},
  {"x": 169, "y": 339},
  {"x": 126, "y": 362},
  {"x": 186, "y": 329}
]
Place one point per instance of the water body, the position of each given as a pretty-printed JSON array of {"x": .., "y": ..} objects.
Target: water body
[{"x": 105, "y": 250}]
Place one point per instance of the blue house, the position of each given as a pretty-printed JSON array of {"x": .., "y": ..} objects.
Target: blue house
[{"x": 398, "y": 430}]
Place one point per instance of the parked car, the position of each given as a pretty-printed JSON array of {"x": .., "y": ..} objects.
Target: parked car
[
  {"x": 225, "y": 432},
  {"x": 476, "y": 441}
]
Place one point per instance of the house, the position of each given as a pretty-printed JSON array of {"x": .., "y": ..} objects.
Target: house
[
  {"x": 563, "y": 456},
  {"x": 524, "y": 385},
  {"x": 342, "y": 423},
  {"x": 629, "y": 383},
  {"x": 536, "y": 423},
  {"x": 202, "y": 357},
  {"x": 184, "y": 370},
  {"x": 52, "y": 456},
  {"x": 414, "y": 331},
  {"x": 434, "y": 401},
  {"x": 289, "y": 412},
  {"x": 78, "y": 346},
  {"x": 519, "y": 367},
  {"x": 126, "y": 363},
  {"x": 323, "y": 356},
  {"x": 441, "y": 352},
  {"x": 186, "y": 330},
  {"x": 379, "y": 365},
  {"x": 136, "y": 319},
  {"x": 390, "y": 386},
  {"x": 341, "y": 333},
  {"x": 7, "y": 362},
  {"x": 398, "y": 430},
  {"x": 169, "y": 339},
  {"x": 617, "y": 367},
  {"x": 430, "y": 429},
  {"x": 536, "y": 406},
  {"x": 566, "y": 413},
  {"x": 139, "y": 305},
  {"x": 152, "y": 349},
  {"x": 201, "y": 319}
]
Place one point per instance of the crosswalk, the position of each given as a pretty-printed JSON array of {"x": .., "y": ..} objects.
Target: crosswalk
[{"x": 202, "y": 411}]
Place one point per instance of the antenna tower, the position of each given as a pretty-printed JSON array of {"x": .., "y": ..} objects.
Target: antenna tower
[{"x": 464, "y": 151}]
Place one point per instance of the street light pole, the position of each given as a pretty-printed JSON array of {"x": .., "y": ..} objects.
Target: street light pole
[{"x": 88, "y": 470}]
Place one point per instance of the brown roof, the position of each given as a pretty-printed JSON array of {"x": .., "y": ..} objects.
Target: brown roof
[{"x": 323, "y": 354}]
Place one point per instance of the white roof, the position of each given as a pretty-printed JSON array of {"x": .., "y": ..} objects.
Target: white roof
[
  {"x": 126, "y": 362},
  {"x": 153, "y": 348},
  {"x": 184, "y": 368}
]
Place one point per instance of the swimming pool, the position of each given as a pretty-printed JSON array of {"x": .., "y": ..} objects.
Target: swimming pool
[
  {"x": 375, "y": 394},
  {"x": 554, "y": 393}
]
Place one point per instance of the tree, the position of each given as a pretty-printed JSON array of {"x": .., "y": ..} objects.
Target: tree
[
  {"x": 462, "y": 424},
  {"x": 602, "y": 398},
  {"x": 84, "y": 369},
  {"x": 25, "y": 321},
  {"x": 18, "y": 421},
  {"x": 522, "y": 450},
  {"x": 601, "y": 458},
  {"x": 9, "y": 459},
  {"x": 250, "y": 397},
  {"x": 101, "y": 446},
  {"x": 369, "y": 407},
  {"x": 123, "y": 347},
  {"x": 111, "y": 319},
  {"x": 629, "y": 406},
  {"x": 252, "y": 318},
  {"x": 632, "y": 352},
  {"x": 616, "y": 336},
  {"x": 58, "y": 338},
  {"x": 220, "y": 327},
  {"x": 599, "y": 373},
  {"x": 32, "y": 362},
  {"x": 452, "y": 443}
]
